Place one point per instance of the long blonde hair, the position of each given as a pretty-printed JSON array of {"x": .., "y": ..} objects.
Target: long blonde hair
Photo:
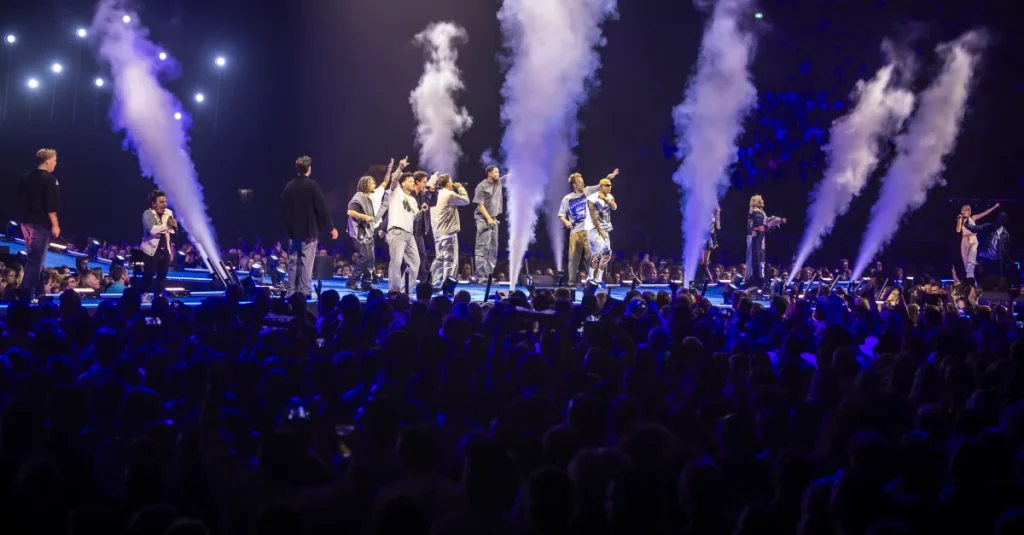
[{"x": 756, "y": 204}]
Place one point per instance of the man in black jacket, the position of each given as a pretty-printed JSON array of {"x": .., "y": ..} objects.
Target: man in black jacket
[
  {"x": 38, "y": 197},
  {"x": 425, "y": 196},
  {"x": 306, "y": 216}
]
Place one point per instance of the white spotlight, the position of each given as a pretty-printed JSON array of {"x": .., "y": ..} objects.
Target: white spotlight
[
  {"x": 33, "y": 83},
  {"x": 220, "y": 61},
  {"x": 162, "y": 56},
  {"x": 126, "y": 19},
  {"x": 56, "y": 68},
  {"x": 200, "y": 97},
  {"x": 11, "y": 39},
  {"x": 99, "y": 82},
  {"x": 177, "y": 116},
  {"x": 82, "y": 33}
]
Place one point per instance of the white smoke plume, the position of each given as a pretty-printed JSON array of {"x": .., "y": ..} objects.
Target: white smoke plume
[
  {"x": 931, "y": 135},
  {"x": 433, "y": 100},
  {"x": 853, "y": 154},
  {"x": 144, "y": 110},
  {"x": 552, "y": 65},
  {"x": 710, "y": 120}
]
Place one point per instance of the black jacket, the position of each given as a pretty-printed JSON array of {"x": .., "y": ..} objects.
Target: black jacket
[
  {"x": 305, "y": 209},
  {"x": 38, "y": 196}
]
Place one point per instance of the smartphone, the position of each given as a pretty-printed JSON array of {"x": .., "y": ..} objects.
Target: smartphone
[
  {"x": 343, "y": 432},
  {"x": 153, "y": 321}
]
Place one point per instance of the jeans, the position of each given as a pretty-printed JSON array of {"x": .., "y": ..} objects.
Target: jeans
[
  {"x": 579, "y": 253},
  {"x": 486, "y": 249},
  {"x": 363, "y": 271},
  {"x": 446, "y": 258},
  {"x": 301, "y": 255},
  {"x": 402, "y": 246},
  {"x": 156, "y": 266},
  {"x": 37, "y": 241}
]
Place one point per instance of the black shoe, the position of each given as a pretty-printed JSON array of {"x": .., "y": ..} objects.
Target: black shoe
[{"x": 366, "y": 287}]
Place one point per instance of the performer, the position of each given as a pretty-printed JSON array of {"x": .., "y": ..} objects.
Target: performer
[
  {"x": 426, "y": 197},
  {"x": 573, "y": 213},
  {"x": 158, "y": 224},
  {"x": 599, "y": 228},
  {"x": 362, "y": 228},
  {"x": 703, "y": 272},
  {"x": 38, "y": 196},
  {"x": 969, "y": 239},
  {"x": 444, "y": 218},
  {"x": 758, "y": 223},
  {"x": 995, "y": 246},
  {"x": 489, "y": 197},
  {"x": 305, "y": 216},
  {"x": 402, "y": 213}
]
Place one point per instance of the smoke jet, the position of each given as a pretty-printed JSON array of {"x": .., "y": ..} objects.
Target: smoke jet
[
  {"x": 144, "y": 111},
  {"x": 552, "y": 66},
  {"x": 709, "y": 121},
  {"x": 433, "y": 100},
  {"x": 853, "y": 154},
  {"x": 931, "y": 135}
]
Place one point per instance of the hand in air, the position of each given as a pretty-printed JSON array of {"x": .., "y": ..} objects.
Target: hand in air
[
  {"x": 404, "y": 163},
  {"x": 334, "y": 233},
  {"x": 614, "y": 174}
]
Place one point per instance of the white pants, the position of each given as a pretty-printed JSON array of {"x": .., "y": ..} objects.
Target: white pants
[
  {"x": 599, "y": 245},
  {"x": 969, "y": 253}
]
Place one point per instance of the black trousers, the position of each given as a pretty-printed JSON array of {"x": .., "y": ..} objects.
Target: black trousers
[
  {"x": 154, "y": 278},
  {"x": 363, "y": 271},
  {"x": 424, "y": 272}
]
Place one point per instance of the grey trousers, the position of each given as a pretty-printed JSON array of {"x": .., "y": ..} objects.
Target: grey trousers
[
  {"x": 446, "y": 258},
  {"x": 402, "y": 246},
  {"x": 486, "y": 249},
  {"x": 300, "y": 266}
]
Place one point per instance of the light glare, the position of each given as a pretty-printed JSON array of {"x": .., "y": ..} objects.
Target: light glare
[
  {"x": 200, "y": 97},
  {"x": 57, "y": 68},
  {"x": 162, "y": 56},
  {"x": 126, "y": 19},
  {"x": 99, "y": 82},
  {"x": 11, "y": 39},
  {"x": 33, "y": 83},
  {"x": 177, "y": 116},
  {"x": 82, "y": 33},
  {"x": 221, "y": 61}
]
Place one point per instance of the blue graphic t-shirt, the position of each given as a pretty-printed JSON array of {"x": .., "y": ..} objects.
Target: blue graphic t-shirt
[{"x": 574, "y": 208}]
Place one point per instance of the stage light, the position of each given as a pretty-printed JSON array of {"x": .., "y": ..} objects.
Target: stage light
[
  {"x": 200, "y": 97},
  {"x": 758, "y": 15},
  {"x": 82, "y": 33},
  {"x": 162, "y": 56},
  {"x": 56, "y": 68},
  {"x": 177, "y": 116},
  {"x": 126, "y": 19},
  {"x": 220, "y": 61},
  {"x": 33, "y": 83},
  {"x": 99, "y": 82},
  {"x": 11, "y": 39}
]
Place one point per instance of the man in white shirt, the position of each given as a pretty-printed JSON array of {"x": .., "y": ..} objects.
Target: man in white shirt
[
  {"x": 599, "y": 227},
  {"x": 402, "y": 212},
  {"x": 158, "y": 224},
  {"x": 444, "y": 219},
  {"x": 573, "y": 213}
]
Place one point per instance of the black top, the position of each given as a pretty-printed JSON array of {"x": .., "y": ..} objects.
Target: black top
[
  {"x": 305, "y": 209},
  {"x": 38, "y": 196},
  {"x": 421, "y": 225}
]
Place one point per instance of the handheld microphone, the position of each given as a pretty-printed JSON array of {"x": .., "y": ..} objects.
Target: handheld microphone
[{"x": 170, "y": 215}]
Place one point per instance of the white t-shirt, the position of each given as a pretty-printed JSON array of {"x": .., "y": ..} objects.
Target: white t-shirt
[
  {"x": 604, "y": 213},
  {"x": 402, "y": 210}
]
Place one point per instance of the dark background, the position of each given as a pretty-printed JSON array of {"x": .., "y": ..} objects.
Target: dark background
[{"x": 332, "y": 79}]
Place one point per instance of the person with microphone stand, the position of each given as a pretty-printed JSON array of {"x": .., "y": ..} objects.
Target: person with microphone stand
[{"x": 158, "y": 224}]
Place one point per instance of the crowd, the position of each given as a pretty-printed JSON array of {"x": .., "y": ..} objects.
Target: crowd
[{"x": 659, "y": 413}]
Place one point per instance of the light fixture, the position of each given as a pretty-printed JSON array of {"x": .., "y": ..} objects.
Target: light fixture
[
  {"x": 56, "y": 68},
  {"x": 126, "y": 19},
  {"x": 221, "y": 61},
  {"x": 33, "y": 83},
  {"x": 177, "y": 116},
  {"x": 162, "y": 56},
  {"x": 758, "y": 15},
  {"x": 99, "y": 82},
  {"x": 11, "y": 39},
  {"x": 200, "y": 97},
  {"x": 82, "y": 33}
]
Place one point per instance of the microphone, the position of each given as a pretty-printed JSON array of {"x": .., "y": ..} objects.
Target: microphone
[{"x": 170, "y": 215}]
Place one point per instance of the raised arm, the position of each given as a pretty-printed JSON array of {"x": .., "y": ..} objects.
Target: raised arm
[
  {"x": 387, "y": 175},
  {"x": 986, "y": 212},
  {"x": 459, "y": 196},
  {"x": 396, "y": 177}
]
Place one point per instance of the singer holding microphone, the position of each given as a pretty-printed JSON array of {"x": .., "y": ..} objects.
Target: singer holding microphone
[{"x": 158, "y": 224}]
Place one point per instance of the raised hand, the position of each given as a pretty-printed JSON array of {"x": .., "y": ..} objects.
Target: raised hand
[
  {"x": 614, "y": 174},
  {"x": 404, "y": 163}
]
